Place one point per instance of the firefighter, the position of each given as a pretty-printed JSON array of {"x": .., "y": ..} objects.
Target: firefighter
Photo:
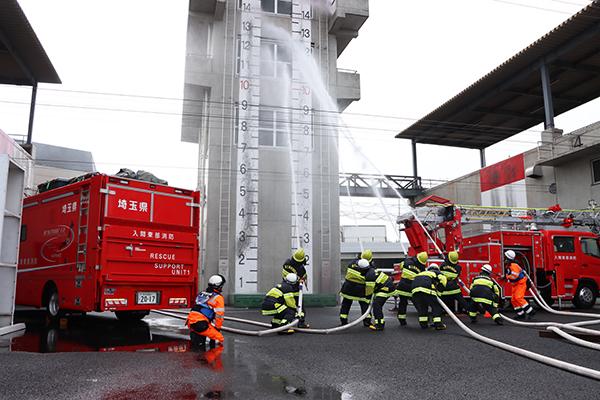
[
  {"x": 381, "y": 289},
  {"x": 426, "y": 287},
  {"x": 297, "y": 265},
  {"x": 452, "y": 293},
  {"x": 355, "y": 289},
  {"x": 410, "y": 268},
  {"x": 485, "y": 295},
  {"x": 280, "y": 302},
  {"x": 206, "y": 316},
  {"x": 518, "y": 281}
]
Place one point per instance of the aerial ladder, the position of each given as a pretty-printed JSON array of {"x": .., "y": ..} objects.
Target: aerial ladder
[{"x": 436, "y": 219}]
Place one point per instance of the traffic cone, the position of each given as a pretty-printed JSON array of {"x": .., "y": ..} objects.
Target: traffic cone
[{"x": 487, "y": 315}]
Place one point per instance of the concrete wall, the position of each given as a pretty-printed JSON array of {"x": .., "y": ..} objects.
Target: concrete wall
[
  {"x": 211, "y": 88},
  {"x": 574, "y": 183}
]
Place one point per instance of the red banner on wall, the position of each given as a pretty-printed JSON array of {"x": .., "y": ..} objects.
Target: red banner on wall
[{"x": 502, "y": 173}]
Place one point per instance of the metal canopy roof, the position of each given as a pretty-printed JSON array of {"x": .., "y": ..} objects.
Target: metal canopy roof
[
  {"x": 509, "y": 99},
  {"x": 23, "y": 60}
]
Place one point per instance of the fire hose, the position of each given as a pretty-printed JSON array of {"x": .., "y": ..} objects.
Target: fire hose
[
  {"x": 577, "y": 369},
  {"x": 555, "y": 327},
  {"x": 242, "y": 331},
  {"x": 175, "y": 314}
]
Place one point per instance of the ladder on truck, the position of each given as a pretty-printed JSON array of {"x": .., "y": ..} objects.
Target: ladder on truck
[{"x": 435, "y": 210}]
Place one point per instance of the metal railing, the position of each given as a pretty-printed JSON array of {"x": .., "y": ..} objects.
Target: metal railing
[{"x": 369, "y": 185}]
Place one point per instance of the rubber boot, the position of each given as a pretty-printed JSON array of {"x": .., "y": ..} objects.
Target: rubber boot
[
  {"x": 439, "y": 326},
  {"x": 402, "y": 321},
  {"x": 424, "y": 325},
  {"x": 499, "y": 321},
  {"x": 343, "y": 321},
  {"x": 520, "y": 317},
  {"x": 303, "y": 324},
  {"x": 473, "y": 320},
  {"x": 367, "y": 322}
]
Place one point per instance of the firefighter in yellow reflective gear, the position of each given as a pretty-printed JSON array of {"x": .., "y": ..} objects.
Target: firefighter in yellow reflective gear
[
  {"x": 426, "y": 287},
  {"x": 280, "y": 302},
  {"x": 354, "y": 288},
  {"x": 381, "y": 287},
  {"x": 452, "y": 293},
  {"x": 296, "y": 264},
  {"x": 410, "y": 268},
  {"x": 485, "y": 295}
]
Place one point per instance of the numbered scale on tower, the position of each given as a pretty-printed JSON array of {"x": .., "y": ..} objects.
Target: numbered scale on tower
[
  {"x": 302, "y": 133},
  {"x": 246, "y": 249}
]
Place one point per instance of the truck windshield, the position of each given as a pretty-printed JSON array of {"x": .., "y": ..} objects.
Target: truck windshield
[{"x": 590, "y": 247}]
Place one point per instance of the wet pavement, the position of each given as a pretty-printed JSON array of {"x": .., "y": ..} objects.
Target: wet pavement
[{"x": 98, "y": 357}]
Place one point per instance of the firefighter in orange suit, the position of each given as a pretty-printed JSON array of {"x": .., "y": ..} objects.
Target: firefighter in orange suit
[
  {"x": 206, "y": 316},
  {"x": 518, "y": 281}
]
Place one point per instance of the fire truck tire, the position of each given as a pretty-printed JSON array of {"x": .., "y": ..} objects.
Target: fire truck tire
[
  {"x": 586, "y": 295},
  {"x": 131, "y": 316},
  {"x": 51, "y": 301}
]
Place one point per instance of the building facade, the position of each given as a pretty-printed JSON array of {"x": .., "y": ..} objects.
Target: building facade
[
  {"x": 261, "y": 97},
  {"x": 564, "y": 169}
]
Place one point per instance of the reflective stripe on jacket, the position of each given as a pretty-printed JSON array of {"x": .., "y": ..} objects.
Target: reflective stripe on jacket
[
  {"x": 411, "y": 268},
  {"x": 428, "y": 281},
  {"x": 515, "y": 273},
  {"x": 380, "y": 283},
  {"x": 217, "y": 304},
  {"x": 485, "y": 290},
  {"x": 451, "y": 271},
  {"x": 283, "y": 294},
  {"x": 292, "y": 266}
]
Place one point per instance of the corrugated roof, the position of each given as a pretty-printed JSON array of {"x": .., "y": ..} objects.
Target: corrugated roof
[
  {"x": 22, "y": 56},
  {"x": 509, "y": 99}
]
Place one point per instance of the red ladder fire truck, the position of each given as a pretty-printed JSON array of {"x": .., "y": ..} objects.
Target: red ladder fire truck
[
  {"x": 558, "y": 248},
  {"x": 109, "y": 243}
]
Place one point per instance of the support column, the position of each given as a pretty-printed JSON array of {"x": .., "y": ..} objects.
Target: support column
[
  {"x": 414, "y": 157},
  {"x": 547, "y": 92},
  {"x": 482, "y": 157},
  {"x": 31, "y": 112}
]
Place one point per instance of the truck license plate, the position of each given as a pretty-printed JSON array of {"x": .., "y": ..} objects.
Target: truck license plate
[{"x": 147, "y": 297}]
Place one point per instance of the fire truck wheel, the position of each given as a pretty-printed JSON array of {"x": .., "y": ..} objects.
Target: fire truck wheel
[
  {"x": 51, "y": 302},
  {"x": 585, "y": 296},
  {"x": 131, "y": 316}
]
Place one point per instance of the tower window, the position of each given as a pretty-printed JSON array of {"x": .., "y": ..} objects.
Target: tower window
[
  {"x": 274, "y": 127},
  {"x": 283, "y": 7},
  {"x": 276, "y": 60}
]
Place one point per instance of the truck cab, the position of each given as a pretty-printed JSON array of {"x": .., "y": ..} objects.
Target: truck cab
[{"x": 573, "y": 259}]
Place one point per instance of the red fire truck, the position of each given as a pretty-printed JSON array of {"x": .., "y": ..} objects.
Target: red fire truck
[
  {"x": 109, "y": 244},
  {"x": 558, "y": 248}
]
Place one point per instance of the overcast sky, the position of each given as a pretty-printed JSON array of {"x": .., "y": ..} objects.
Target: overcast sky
[{"x": 412, "y": 56}]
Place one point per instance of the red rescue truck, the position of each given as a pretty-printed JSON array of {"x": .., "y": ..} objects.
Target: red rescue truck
[
  {"x": 558, "y": 248},
  {"x": 109, "y": 244}
]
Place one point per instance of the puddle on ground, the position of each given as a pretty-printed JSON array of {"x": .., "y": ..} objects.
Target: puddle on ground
[{"x": 90, "y": 334}]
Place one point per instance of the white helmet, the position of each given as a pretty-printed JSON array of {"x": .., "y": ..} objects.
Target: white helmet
[
  {"x": 510, "y": 254},
  {"x": 362, "y": 263},
  {"x": 487, "y": 268},
  {"x": 433, "y": 266},
  {"x": 216, "y": 282},
  {"x": 291, "y": 278}
]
